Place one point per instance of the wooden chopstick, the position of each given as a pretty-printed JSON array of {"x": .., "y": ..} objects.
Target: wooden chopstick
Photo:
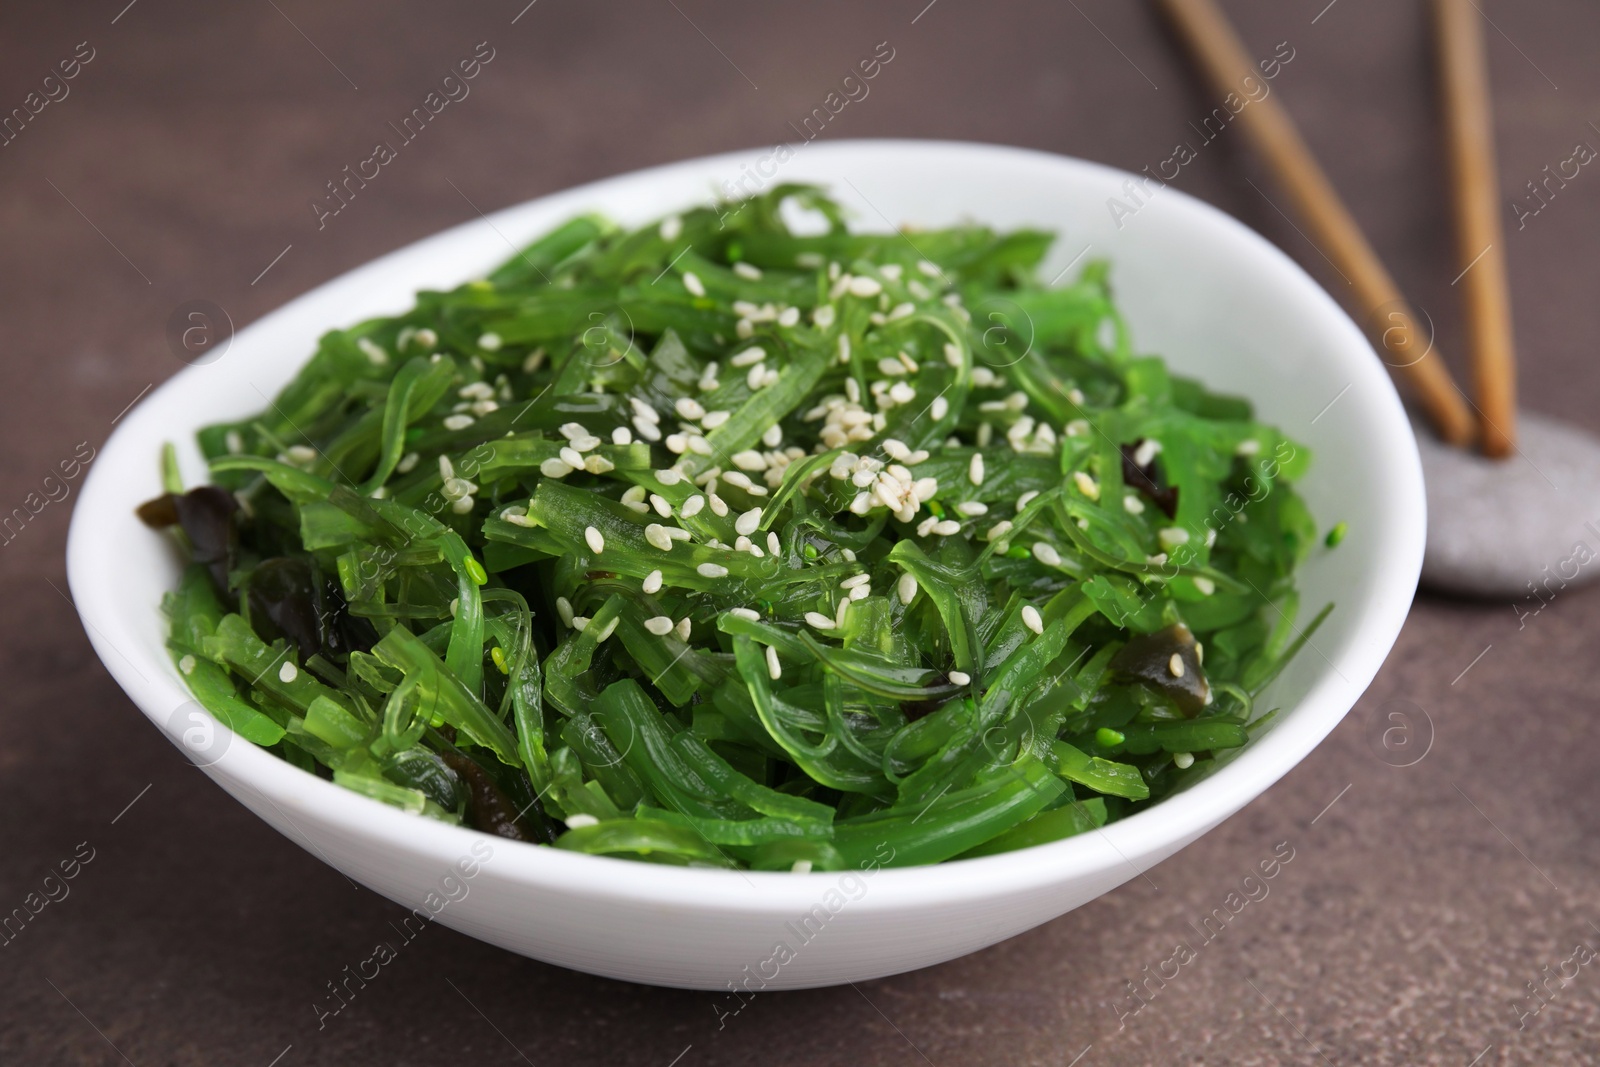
[
  {"x": 1485, "y": 294},
  {"x": 1390, "y": 320}
]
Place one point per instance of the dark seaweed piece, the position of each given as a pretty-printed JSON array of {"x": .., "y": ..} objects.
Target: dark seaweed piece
[
  {"x": 1149, "y": 480},
  {"x": 488, "y": 808},
  {"x": 1150, "y": 659}
]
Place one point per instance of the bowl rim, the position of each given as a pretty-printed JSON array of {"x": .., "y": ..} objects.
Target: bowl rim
[{"x": 1157, "y": 830}]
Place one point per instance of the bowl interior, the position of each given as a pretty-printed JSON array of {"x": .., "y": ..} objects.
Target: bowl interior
[{"x": 1196, "y": 287}]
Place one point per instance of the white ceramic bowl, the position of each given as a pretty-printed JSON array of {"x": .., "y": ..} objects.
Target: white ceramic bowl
[{"x": 1198, "y": 287}]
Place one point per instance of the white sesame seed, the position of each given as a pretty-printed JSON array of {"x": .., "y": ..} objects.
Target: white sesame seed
[
  {"x": 692, "y": 506},
  {"x": 425, "y": 338},
  {"x": 646, "y": 429},
  {"x": 660, "y": 625},
  {"x": 745, "y": 613},
  {"x": 774, "y": 670},
  {"x": 1205, "y": 585},
  {"x": 1248, "y": 447},
  {"x": 677, "y": 443},
  {"x": 610, "y": 628},
  {"x": 1046, "y": 553},
  {"x": 571, "y": 457},
  {"x": 947, "y": 528},
  {"x": 960, "y": 678},
  {"x": 748, "y": 522},
  {"x": 457, "y": 422},
  {"x": 657, "y": 535},
  {"x": 902, "y": 311},
  {"x": 747, "y": 270},
  {"x": 684, "y": 628},
  {"x": 671, "y": 227},
  {"x": 288, "y": 672},
  {"x": 1133, "y": 505},
  {"x": 580, "y": 623},
  {"x": 739, "y": 479},
  {"x": 975, "y": 469},
  {"x": 489, "y": 342},
  {"x": 691, "y": 282},
  {"x": 579, "y": 820},
  {"x": 676, "y": 533},
  {"x": 712, "y": 570},
  {"x": 714, "y": 419},
  {"x": 662, "y": 505},
  {"x": 819, "y": 620},
  {"x": 1086, "y": 485},
  {"x": 554, "y": 468},
  {"x": 408, "y": 463},
  {"x": 751, "y": 355},
  {"x": 998, "y": 530},
  {"x": 187, "y": 664},
  {"x": 1032, "y": 619},
  {"x": 773, "y": 544},
  {"x": 823, "y": 316},
  {"x": 1175, "y": 666},
  {"x": 688, "y": 407},
  {"x": 789, "y": 317},
  {"x": 652, "y": 583},
  {"x": 906, "y": 589},
  {"x": 939, "y": 408},
  {"x": 972, "y": 507},
  {"x": 564, "y": 609},
  {"x": 597, "y": 542},
  {"x": 865, "y": 287},
  {"x": 372, "y": 351},
  {"x": 1172, "y": 536},
  {"x": 1183, "y": 760},
  {"x": 719, "y": 507},
  {"x": 1146, "y": 452},
  {"x": 622, "y": 436}
]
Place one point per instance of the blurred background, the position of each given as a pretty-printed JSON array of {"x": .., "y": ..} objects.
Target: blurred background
[{"x": 1440, "y": 880}]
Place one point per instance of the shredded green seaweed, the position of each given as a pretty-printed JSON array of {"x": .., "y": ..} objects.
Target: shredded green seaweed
[{"x": 713, "y": 543}]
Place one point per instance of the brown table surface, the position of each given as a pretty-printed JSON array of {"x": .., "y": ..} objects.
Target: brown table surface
[{"x": 1421, "y": 900}]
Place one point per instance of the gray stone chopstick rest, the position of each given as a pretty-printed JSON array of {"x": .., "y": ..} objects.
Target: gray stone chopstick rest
[{"x": 1525, "y": 526}]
